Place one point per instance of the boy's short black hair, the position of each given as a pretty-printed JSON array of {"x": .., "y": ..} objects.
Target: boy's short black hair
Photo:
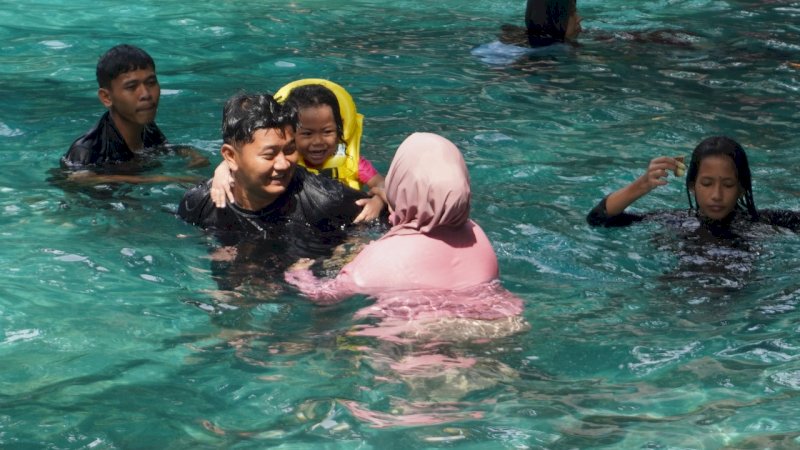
[
  {"x": 121, "y": 59},
  {"x": 244, "y": 114}
]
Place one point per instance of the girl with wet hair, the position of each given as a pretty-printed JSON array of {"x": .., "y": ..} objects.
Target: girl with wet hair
[
  {"x": 721, "y": 146},
  {"x": 718, "y": 186},
  {"x": 551, "y": 21}
]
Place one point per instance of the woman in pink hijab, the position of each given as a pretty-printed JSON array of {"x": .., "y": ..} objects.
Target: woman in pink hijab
[
  {"x": 434, "y": 280},
  {"x": 432, "y": 249}
]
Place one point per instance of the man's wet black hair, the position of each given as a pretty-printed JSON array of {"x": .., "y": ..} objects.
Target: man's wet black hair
[
  {"x": 314, "y": 95},
  {"x": 547, "y": 20},
  {"x": 121, "y": 59},
  {"x": 244, "y": 114},
  {"x": 723, "y": 146}
]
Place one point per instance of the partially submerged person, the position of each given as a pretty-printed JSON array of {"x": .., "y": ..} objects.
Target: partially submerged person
[
  {"x": 718, "y": 185},
  {"x": 547, "y": 22},
  {"x": 551, "y": 21},
  {"x": 328, "y": 140},
  {"x": 259, "y": 148},
  {"x": 129, "y": 90},
  {"x": 280, "y": 211},
  {"x": 434, "y": 264}
]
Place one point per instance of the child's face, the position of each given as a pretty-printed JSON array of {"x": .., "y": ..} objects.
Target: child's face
[
  {"x": 316, "y": 136},
  {"x": 717, "y": 187},
  {"x": 133, "y": 96}
]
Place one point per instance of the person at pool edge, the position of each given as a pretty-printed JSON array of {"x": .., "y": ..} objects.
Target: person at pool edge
[
  {"x": 129, "y": 89},
  {"x": 269, "y": 187},
  {"x": 719, "y": 180}
]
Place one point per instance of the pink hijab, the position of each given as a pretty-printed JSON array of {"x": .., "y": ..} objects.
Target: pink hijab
[
  {"x": 432, "y": 245},
  {"x": 427, "y": 185}
]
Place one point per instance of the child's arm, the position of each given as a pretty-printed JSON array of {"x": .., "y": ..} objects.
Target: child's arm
[
  {"x": 655, "y": 176},
  {"x": 372, "y": 206},
  {"x": 221, "y": 185}
]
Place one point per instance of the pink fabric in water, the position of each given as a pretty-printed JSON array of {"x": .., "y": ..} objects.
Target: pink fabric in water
[{"x": 432, "y": 243}]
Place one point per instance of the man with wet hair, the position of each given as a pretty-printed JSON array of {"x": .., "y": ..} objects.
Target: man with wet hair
[
  {"x": 269, "y": 187},
  {"x": 129, "y": 89}
]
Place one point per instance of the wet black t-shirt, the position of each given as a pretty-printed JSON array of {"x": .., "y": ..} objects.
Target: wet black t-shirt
[
  {"x": 309, "y": 199},
  {"x": 307, "y": 221},
  {"x": 104, "y": 144},
  {"x": 598, "y": 217}
]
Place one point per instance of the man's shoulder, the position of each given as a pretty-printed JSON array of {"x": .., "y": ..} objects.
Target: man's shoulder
[
  {"x": 83, "y": 148},
  {"x": 196, "y": 205}
]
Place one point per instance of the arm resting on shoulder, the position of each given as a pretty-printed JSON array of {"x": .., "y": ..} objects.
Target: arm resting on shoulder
[{"x": 222, "y": 185}]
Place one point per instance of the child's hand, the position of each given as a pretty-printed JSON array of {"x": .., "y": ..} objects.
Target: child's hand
[
  {"x": 657, "y": 172},
  {"x": 371, "y": 208},
  {"x": 221, "y": 185},
  {"x": 380, "y": 192}
]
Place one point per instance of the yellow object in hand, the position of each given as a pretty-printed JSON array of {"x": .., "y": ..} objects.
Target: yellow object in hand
[{"x": 681, "y": 169}]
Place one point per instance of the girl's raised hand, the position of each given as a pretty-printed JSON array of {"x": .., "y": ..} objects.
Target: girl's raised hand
[{"x": 657, "y": 171}]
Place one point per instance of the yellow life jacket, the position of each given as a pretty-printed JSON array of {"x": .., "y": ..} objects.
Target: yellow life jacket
[{"x": 343, "y": 165}]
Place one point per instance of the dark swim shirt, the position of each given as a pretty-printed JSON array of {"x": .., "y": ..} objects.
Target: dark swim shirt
[
  {"x": 309, "y": 199},
  {"x": 104, "y": 144},
  {"x": 598, "y": 217},
  {"x": 307, "y": 221}
]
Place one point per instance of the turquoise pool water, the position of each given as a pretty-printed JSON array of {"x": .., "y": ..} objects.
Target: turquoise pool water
[{"x": 113, "y": 333}]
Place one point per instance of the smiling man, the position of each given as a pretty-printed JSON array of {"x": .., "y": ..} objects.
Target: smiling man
[
  {"x": 129, "y": 89},
  {"x": 269, "y": 187}
]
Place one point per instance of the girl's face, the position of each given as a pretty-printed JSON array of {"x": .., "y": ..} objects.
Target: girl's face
[
  {"x": 316, "y": 136},
  {"x": 717, "y": 187}
]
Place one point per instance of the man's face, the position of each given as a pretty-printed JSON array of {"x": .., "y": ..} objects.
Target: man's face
[
  {"x": 132, "y": 97},
  {"x": 262, "y": 169}
]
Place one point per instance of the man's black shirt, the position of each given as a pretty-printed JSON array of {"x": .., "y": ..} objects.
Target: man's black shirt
[{"x": 104, "y": 144}]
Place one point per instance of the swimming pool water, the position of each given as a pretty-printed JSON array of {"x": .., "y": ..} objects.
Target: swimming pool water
[{"x": 113, "y": 333}]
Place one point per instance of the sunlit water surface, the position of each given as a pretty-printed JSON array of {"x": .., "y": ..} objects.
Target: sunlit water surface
[{"x": 113, "y": 333}]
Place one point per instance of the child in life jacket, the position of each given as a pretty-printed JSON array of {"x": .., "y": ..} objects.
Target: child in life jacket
[{"x": 328, "y": 138}]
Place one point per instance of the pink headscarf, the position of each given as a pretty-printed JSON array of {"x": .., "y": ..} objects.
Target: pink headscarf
[{"x": 427, "y": 185}]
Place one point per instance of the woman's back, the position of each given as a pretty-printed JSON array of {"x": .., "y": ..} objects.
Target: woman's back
[{"x": 448, "y": 258}]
